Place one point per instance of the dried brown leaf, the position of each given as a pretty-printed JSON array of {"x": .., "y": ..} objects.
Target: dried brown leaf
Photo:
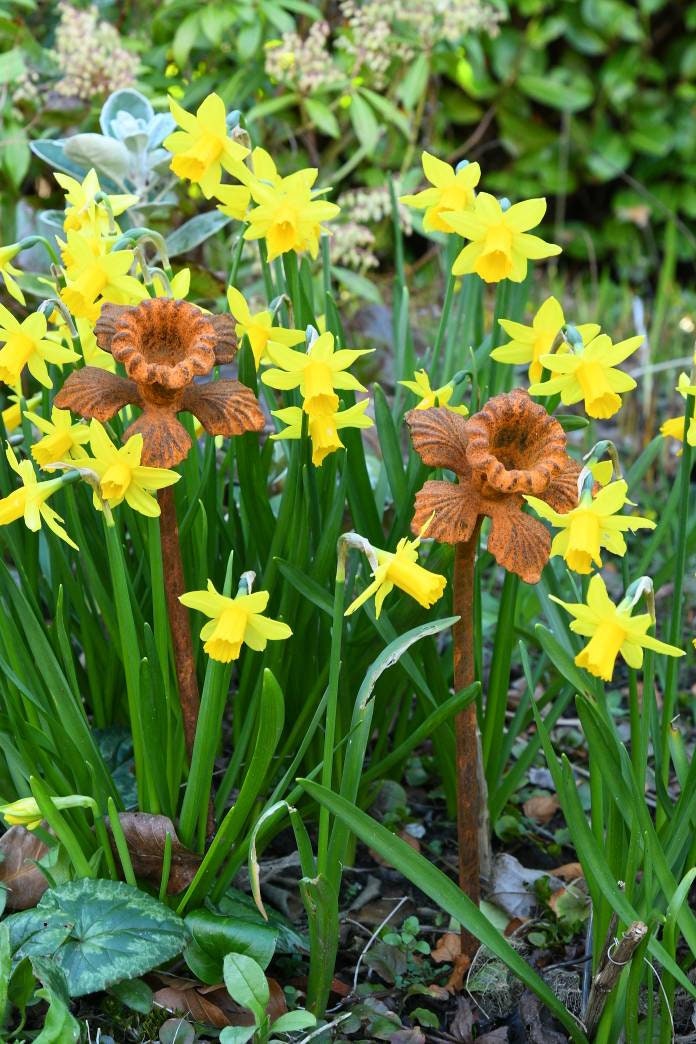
[
  {"x": 20, "y": 849},
  {"x": 448, "y": 948},
  {"x": 541, "y": 808},
  {"x": 145, "y": 837}
]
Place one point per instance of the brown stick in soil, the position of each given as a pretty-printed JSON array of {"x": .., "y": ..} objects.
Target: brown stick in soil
[
  {"x": 174, "y": 585},
  {"x": 465, "y": 726},
  {"x": 609, "y": 972}
]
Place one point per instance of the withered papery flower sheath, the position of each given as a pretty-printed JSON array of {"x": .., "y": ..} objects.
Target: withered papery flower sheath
[
  {"x": 511, "y": 447},
  {"x": 164, "y": 345}
]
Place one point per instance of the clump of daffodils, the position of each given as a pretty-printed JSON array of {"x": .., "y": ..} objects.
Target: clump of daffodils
[{"x": 318, "y": 374}]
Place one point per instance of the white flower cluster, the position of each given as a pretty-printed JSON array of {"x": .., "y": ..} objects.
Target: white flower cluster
[
  {"x": 304, "y": 64},
  {"x": 380, "y": 31},
  {"x": 90, "y": 55},
  {"x": 353, "y": 241}
]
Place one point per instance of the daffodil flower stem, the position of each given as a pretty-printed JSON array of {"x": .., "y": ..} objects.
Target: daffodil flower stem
[
  {"x": 465, "y": 728},
  {"x": 452, "y": 250},
  {"x": 30, "y": 241},
  {"x": 332, "y": 704},
  {"x": 501, "y": 310},
  {"x": 672, "y": 673},
  {"x": 175, "y": 585},
  {"x": 59, "y": 825},
  {"x": 130, "y": 657}
]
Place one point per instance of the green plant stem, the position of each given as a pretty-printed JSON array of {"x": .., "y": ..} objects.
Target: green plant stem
[
  {"x": 445, "y": 314},
  {"x": 672, "y": 673},
  {"x": 59, "y": 825},
  {"x": 120, "y": 842},
  {"x": 331, "y": 708},
  {"x": 130, "y": 658}
]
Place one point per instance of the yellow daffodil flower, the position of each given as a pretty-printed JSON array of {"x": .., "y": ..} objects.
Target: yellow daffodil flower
[
  {"x": 235, "y": 199},
  {"x": 30, "y": 500},
  {"x": 500, "y": 241},
  {"x": 62, "y": 439},
  {"x": 26, "y": 344},
  {"x": 26, "y": 812},
  {"x": 429, "y": 397},
  {"x": 323, "y": 426},
  {"x": 590, "y": 374},
  {"x": 288, "y": 216},
  {"x": 602, "y": 471},
  {"x": 452, "y": 190},
  {"x": 592, "y": 525},
  {"x": 93, "y": 276},
  {"x": 203, "y": 147},
  {"x": 8, "y": 271},
  {"x": 12, "y": 415},
  {"x": 318, "y": 372},
  {"x": 84, "y": 210},
  {"x": 612, "y": 630},
  {"x": 122, "y": 476},
  {"x": 179, "y": 285},
  {"x": 674, "y": 429},
  {"x": 259, "y": 327},
  {"x": 400, "y": 569},
  {"x": 529, "y": 343},
  {"x": 234, "y": 622}
]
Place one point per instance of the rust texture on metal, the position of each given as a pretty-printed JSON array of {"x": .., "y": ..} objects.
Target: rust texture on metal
[
  {"x": 175, "y": 585},
  {"x": 465, "y": 727},
  {"x": 164, "y": 345},
  {"x": 510, "y": 447}
]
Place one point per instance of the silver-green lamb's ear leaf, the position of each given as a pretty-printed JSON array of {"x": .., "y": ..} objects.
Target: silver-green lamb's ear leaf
[
  {"x": 51, "y": 222},
  {"x": 162, "y": 124},
  {"x": 126, "y": 100},
  {"x": 133, "y": 133},
  {"x": 98, "y": 933},
  {"x": 194, "y": 232},
  {"x": 96, "y": 150},
  {"x": 52, "y": 152}
]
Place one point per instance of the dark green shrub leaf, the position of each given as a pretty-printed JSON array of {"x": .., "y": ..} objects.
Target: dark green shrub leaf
[{"x": 213, "y": 937}]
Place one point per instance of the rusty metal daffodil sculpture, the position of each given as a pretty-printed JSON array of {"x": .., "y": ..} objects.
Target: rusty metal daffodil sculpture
[
  {"x": 510, "y": 448},
  {"x": 164, "y": 345}
]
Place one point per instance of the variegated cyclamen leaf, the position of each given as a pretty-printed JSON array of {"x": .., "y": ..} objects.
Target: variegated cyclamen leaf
[{"x": 98, "y": 933}]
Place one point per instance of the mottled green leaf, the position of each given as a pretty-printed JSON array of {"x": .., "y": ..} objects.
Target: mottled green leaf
[{"x": 98, "y": 932}]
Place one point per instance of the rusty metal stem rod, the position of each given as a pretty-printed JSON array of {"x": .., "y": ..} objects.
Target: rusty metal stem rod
[
  {"x": 174, "y": 585},
  {"x": 465, "y": 727}
]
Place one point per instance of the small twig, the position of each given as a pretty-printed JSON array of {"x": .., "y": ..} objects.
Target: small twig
[
  {"x": 374, "y": 936},
  {"x": 608, "y": 974}
]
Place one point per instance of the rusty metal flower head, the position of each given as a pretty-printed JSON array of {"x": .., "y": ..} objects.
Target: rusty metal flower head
[
  {"x": 163, "y": 345},
  {"x": 511, "y": 447}
]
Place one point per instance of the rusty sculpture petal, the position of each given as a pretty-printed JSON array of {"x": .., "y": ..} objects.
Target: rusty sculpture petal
[
  {"x": 164, "y": 345},
  {"x": 511, "y": 447}
]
